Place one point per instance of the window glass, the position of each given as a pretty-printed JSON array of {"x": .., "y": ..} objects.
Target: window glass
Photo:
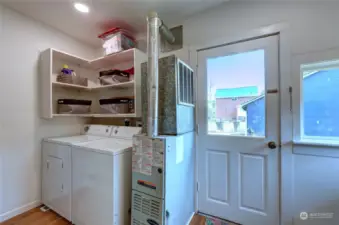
[
  {"x": 236, "y": 94},
  {"x": 320, "y": 101}
]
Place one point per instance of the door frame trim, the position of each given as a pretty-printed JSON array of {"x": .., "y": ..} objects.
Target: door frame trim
[{"x": 239, "y": 41}]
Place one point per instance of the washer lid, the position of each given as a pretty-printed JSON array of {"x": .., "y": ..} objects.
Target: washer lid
[
  {"x": 108, "y": 146},
  {"x": 75, "y": 139}
]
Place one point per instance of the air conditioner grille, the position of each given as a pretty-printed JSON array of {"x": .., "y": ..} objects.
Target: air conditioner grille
[{"x": 186, "y": 84}]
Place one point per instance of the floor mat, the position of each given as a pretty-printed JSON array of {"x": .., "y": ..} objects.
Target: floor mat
[{"x": 217, "y": 221}]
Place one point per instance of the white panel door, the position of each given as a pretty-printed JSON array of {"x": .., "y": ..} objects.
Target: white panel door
[{"x": 238, "y": 144}]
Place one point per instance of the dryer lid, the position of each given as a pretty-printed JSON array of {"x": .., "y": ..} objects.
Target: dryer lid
[
  {"x": 110, "y": 146},
  {"x": 97, "y": 130},
  {"x": 125, "y": 132}
]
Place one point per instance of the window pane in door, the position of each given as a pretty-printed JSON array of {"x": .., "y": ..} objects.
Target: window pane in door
[
  {"x": 236, "y": 94},
  {"x": 320, "y": 90}
]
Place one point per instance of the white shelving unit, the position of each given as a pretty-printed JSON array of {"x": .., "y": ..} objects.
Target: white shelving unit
[{"x": 51, "y": 63}]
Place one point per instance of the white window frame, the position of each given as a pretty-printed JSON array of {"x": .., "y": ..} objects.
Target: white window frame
[{"x": 302, "y": 63}]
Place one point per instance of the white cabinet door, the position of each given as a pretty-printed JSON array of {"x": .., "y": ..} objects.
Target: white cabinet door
[
  {"x": 53, "y": 180},
  {"x": 56, "y": 190},
  {"x": 238, "y": 144}
]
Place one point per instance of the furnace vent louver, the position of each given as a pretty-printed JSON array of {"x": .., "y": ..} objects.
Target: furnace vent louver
[
  {"x": 185, "y": 83},
  {"x": 147, "y": 206},
  {"x": 137, "y": 222},
  {"x": 137, "y": 202}
]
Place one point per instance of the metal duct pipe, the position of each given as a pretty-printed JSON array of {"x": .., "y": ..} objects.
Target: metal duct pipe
[
  {"x": 167, "y": 34},
  {"x": 154, "y": 25}
]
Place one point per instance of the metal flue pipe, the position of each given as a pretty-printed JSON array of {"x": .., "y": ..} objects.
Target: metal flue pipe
[
  {"x": 166, "y": 33},
  {"x": 154, "y": 25}
]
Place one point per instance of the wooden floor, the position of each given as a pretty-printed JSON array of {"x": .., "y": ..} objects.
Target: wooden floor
[
  {"x": 36, "y": 217},
  {"x": 198, "y": 220}
]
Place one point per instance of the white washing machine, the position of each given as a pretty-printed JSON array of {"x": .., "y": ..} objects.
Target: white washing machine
[
  {"x": 56, "y": 167},
  {"x": 101, "y": 183}
]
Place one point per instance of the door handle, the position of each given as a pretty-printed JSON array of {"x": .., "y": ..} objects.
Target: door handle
[{"x": 272, "y": 145}]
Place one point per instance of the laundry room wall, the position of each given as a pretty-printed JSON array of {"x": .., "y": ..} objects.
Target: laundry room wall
[
  {"x": 21, "y": 129},
  {"x": 309, "y": 28}
]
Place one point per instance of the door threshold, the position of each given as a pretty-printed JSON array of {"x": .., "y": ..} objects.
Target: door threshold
[{"x": 212, "y": 220}]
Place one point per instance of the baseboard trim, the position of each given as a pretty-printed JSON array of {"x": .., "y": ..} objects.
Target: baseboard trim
[
  {"x": 17, "y": 211},
  {"x": 190, "y": 219}
]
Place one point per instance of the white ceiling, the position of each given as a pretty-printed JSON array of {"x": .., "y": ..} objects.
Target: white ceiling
[{"x": 105, "y": 14}]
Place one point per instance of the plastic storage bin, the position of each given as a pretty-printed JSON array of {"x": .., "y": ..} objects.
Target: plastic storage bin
[
  {"x": 117, "y": 105},
  {"x": 116, "y": 40},
  {"x": 113, "y": 77},
  {"x": 74, "y": 106}
]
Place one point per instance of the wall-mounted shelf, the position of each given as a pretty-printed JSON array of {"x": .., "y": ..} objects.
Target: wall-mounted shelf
[
  {"x": 72, "y": 59},
  {"x": 126, "y": 115},
  {"x": 128, "y": 84},
  {"x": 71, "y": 115},
  {"x": 117, "y": 58},
  {"x": 51, "y": 63},
  {"x": 66, "y": 85},
  {"x": 98, "y": 63}
]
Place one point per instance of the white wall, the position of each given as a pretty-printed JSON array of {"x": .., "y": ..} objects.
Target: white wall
[
  {"x": 21, "y": 129},
  {"x": 310, "y": 25},
  {"x": 309, "y": 28},
  {"x": 312, "y": 20}
]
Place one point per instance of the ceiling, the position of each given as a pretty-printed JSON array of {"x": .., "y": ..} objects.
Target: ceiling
[{"x": 105, "y": 14}]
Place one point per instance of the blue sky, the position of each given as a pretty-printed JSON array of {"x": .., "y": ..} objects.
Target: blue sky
[{"x": 237, "y": 70}]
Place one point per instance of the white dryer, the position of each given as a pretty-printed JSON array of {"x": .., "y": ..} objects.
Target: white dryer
[
  {"x": 56, "y": 167},
  {"x": 101, "y": 184}
]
